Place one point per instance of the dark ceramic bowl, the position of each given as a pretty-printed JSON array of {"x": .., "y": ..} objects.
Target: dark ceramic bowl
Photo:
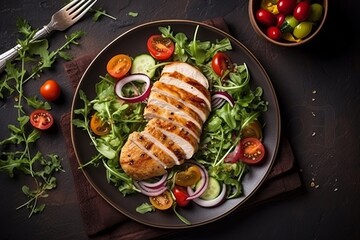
[{"x": 261, "y": 29}]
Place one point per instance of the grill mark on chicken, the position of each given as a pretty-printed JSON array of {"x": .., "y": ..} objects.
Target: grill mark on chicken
[
  {"x": 153, "y": 111},
  {"x": 146, "y": 147},
  {"x": 188, "y": 85},
  {"x": 174, "y": 105},
  {"x": 167, "y": 145},
  {"x": 137, "y": 164},
  {"x": 151, "y": 149},
  {"x": 180, "y": 136},
  {"x": 187, "y": 70},
  {"x": 188, "y": 99}
]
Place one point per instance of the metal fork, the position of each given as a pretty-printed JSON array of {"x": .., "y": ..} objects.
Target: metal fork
[{"x": 61, "y": 20}]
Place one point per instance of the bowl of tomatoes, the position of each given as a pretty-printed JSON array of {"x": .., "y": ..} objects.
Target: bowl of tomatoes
[{"x": 288, "y": 22}]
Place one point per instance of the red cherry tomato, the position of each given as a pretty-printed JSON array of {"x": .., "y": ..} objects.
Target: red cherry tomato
[
  {"x": 280, "y": 18},
  {"x": 265, "y": 17},
  {"x": 273, "y": 32},
  {"x": 252, "y": 150},
  {"x": 302, "y": 11},
  {"x": 50, "y": 90},
  {"x": 119, "y": 65},
  {"x": 286, "y": 7},
  {"x": 160, "y": 48},
  {"x": 41, "y": 119},
  {"x": 221, "y": 64},
  {"x": 180, "y": 196}
]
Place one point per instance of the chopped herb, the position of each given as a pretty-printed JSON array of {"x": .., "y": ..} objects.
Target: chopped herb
[{"x": 133, "y": 14}]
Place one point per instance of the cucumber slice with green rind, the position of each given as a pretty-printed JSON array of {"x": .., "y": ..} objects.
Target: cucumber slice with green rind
[
  {"x": 144, "y": 64},
  {"x": 212, "y": 191}
]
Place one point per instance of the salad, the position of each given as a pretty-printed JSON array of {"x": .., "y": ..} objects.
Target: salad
[{"x": 231, "y": 139}]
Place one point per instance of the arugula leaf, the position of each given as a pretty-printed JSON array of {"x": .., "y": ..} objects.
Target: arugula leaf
[
  {"x": 98, "y": 13},
  {"x": 35, "y": 103},
  {"x": 24, "y": 27},
  {"x": 145, "y": 208}
]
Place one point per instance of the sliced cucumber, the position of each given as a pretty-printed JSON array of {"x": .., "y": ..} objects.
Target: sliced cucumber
[
  {"x": 212, "y": 191},
  {"x": 144, "y": 64}
]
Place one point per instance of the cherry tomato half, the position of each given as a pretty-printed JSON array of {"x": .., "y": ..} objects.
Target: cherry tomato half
[
  {"x": 302, "y": 11},
  {"x": 252, "y": 150},
  {"x": 41, "y": 119},
  {"x": 163, "y": 201},
  {"x": 252, "y": 129},
  {"x": 188, "y": 177},
  {"x": 265, "y": 17},
  {"x": 221, "y": 64},
  {"x": 98, "y": 126},
  {"x": 50, "y": 90},
  {"x": 159, "y": 47},
  {"x": 181, "y": 196},
  {"x": 119, "y": 65}
]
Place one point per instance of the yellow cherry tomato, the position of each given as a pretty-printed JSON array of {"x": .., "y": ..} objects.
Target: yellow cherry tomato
[
  {"x": 98, "y": 126},
  {"x": 163, "y": 201},
  {"x": 188, "y": 177}
]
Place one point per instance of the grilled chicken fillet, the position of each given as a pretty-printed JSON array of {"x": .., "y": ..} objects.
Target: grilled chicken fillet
[{"x": 177, "y": 108}]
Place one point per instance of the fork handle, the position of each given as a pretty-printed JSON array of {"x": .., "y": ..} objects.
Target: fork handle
[{"x": 12, "y": 53}]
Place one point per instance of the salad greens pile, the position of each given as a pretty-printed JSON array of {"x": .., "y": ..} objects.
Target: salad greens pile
[{"x": 218, "y": 138}]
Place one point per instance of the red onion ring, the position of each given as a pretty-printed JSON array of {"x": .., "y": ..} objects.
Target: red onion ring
[
  {"x": 133, "y": 78},
  {"x": 151, "y": 192},
  {"x": 219, "y": 98},
  {"x": 233, "y": 156},
  {"x": 155, "y": 184},
  {"x": 201, "y": 190}
]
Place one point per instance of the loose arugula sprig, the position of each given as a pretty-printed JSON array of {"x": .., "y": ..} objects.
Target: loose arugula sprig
[
  {"x": 18, "y": 151},
  {"x": 99, "y": 13}
]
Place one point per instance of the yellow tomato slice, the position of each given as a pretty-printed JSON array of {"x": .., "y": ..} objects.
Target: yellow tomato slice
[
  {"x": 188, "y": 177},
  {"x": 163, "y": 201},
  {"x": 98, "y": 126},
  {"x": 119, "y": 65}
]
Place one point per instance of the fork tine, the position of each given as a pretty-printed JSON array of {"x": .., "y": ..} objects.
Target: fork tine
[
  {"x": 69, "y": 5},
  {"x": 79, "y": 11}
]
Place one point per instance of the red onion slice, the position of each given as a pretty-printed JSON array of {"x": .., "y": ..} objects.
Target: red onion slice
[
  {"x": 234, "y": 156},
  {"x": 202, "y": 188},
  {"x": 133, "y": 78},
  {"x": 151, "y": 192},
  {"x": 155, "y": 184},
  {"x": 219, "y": 98}
]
